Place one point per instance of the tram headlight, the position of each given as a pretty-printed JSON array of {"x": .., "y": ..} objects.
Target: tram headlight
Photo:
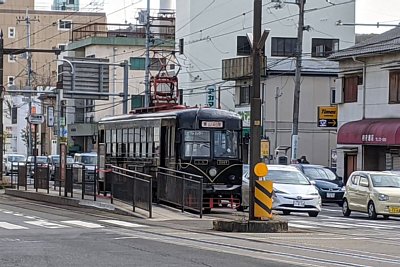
[{"x": 212, "y": 171}]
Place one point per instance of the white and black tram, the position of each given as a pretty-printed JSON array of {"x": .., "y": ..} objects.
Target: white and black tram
[{"x": 201, "y": 141}]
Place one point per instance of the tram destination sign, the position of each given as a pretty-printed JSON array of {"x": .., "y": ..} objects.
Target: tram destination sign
[
  {"x": 327, "y": 116},
  {"x": 212, "y": 124}
]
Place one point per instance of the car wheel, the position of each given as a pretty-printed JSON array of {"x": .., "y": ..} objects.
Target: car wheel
[
  {"x": 313, "y": 213},
  {"x": 345, "y": 208},
  {"x": 371, "y": 211},
  {"x": 286, "y": 212},
  {"x": 386, "y": 217}
]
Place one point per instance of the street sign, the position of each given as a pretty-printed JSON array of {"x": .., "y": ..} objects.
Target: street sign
[
  {"x": 36, "y": 119},
  {"x": 211, "y": 96},
  {"x": 327, "y": 116},
  {"x": 264, "y": 148},
  {"x": 50, "y": 116}
]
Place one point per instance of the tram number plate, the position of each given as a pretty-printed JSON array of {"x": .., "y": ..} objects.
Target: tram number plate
[
  {"x": 330, "y": 195},
  {"x": 299, "y": 203},
  {"x": 394, "y": 209}
]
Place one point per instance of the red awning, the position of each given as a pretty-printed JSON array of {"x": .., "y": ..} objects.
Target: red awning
[{"x": 370, "y": 131}]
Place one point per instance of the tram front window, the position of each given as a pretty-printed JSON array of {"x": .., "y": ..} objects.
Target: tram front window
[
  {"x": 225, "y": 144},
  {"x": 197, "y": 144}
]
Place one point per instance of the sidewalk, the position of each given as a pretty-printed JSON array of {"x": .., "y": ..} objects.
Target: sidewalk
[{"x": 159, "y": 212}]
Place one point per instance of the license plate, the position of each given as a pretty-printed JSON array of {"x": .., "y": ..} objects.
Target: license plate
[
  {"x": 299, "y": 203},
  {"x": 330, "y": 195},
  {"x": 394, "y": 209}
]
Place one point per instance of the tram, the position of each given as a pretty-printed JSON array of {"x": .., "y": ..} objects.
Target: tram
[{"x": 201, "y": 141}]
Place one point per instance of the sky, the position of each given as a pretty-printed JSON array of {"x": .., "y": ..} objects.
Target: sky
[{"x": 367, "y": 11}]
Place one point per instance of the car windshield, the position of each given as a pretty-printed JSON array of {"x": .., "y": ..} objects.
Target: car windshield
[
  {"x": 16, "y": 158},
  {"x": 315, "y": 173},
  {"x": 287, "y": 177},
  {"x": 197, "y": 143},
  {"x": 40, "y": 159},
  {"x": 70, "y": 160},
  {"x": 225, "y": 144},
  {"x": 56, "y": 159},
  {"x": 381, "y": 180},
  {"x": 89, "y": 159}
]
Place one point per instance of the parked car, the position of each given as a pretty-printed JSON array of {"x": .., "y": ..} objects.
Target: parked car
[
  {"x": 293, "y": 192},
  {"x": 41, "y": 161},
  {"x": 375, "y": 193},
  {"x": 54, "y": 161},
  {"x": 88, "y": 161},
  {"x": 329, "y": 185},
  {"x": 12, "y": 161}
]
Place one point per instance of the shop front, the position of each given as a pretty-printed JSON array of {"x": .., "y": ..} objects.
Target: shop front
[{"x": 369, "y": 144}]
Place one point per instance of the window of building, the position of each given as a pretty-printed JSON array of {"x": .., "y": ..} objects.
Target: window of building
[
  {"x": 65, "y": 24},
  {"x": 350, "y": 88},
  {"x": 243, "y": 47},
  {"x": 283, "y": 47},
  {"x": 11, "y": 32},
  {"x": 12, "y": 58},
  {"x": 244, "y": 96},
  {"x": 394, "y": 87},
  {"x": 324, "y": 47},
  {"x": 62, "y": 47},
  {"x": 10, "y": 80}
]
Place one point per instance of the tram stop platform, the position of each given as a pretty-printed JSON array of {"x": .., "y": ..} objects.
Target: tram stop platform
[{"x": 102, "y": 203}]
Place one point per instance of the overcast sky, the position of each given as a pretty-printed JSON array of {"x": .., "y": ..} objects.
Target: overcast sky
[{"x": 367, "y": 11}]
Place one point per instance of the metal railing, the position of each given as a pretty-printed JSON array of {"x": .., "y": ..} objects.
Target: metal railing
[
  {"x": 130, "y": 187},
  {"x": 180, "y": 188}
]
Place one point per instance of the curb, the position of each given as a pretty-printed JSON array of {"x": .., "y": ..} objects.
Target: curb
[{"x": 66, "y": 201}]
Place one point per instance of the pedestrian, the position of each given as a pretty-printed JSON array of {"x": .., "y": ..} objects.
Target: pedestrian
[{"x": 304, "y": 160}]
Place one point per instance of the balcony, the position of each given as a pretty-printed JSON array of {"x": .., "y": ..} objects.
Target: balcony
[{"x": 241, "y": 68}]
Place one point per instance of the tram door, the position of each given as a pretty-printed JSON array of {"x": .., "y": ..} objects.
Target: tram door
[{"x": 164, "y": 146}]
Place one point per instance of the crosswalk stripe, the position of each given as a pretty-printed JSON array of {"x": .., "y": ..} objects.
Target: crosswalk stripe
[
  {"x": 323, "y": 225},
  {"x": 10, "y": 226},
  {"x": 83, "y": 224},
  {"x": 122, "y": 223},
  {"x": 47, "y": 224},
  {"x": 296, "y": 225}
]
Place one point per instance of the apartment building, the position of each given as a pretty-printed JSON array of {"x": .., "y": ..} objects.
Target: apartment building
[
  {"x": 48, "y": 30},
  {"x": 217, "y": 32}
]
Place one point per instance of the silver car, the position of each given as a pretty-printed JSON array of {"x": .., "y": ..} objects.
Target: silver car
[{"x": 293, "y": 192}]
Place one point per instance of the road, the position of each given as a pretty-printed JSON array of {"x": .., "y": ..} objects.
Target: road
[{"x": 37, "y": 234}]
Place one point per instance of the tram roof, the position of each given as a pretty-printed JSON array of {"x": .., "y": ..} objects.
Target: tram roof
[{"x": 202, "y": 113}]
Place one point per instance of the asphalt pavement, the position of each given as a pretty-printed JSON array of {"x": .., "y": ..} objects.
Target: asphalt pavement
[{"x": 40, "y": 234}]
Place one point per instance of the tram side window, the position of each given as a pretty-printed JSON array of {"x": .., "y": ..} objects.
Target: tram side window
[
  {"x": 197, "y": 143},
  {"x": 157, "y": 141},
  {"x": 150, "y": 138},
  {"x": 226, "y": 144},
  {"x": 125, "y": 142},
  {"x": 137, "y": 142},
  {"x": 114, "y": 143},
  {"x": 119, "y": 142},
  {"x": 108, "y": 142},
  {"x": 131, "y": 143},
  {"x": 143, "y": 142},
  {"x": 172, "y": 141}
]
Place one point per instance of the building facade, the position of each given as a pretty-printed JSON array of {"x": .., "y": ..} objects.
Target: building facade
[
  {"x": 48, "y": 30},
  {"x": 220, "y": 32},
  {"x": 124, "y": 44},
  {"x": 369, "y": 104}
]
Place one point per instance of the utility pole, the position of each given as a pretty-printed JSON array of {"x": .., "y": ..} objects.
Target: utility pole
[
  {"x": 147, "y": 62},
  {"x": 28, "y": 21},
  {"x": 255, "y": 102},
  {"x": 1, "y": 100},
  {"x": 296, "y": 96},
  {"x": 278, "y": 94}
]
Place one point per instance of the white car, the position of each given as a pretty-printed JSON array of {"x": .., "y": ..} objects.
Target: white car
[
  {"x": 293, "y": 192},
  {"x": 12, "y": 161}
]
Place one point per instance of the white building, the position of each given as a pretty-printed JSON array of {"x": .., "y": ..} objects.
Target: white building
[
  {"x": 216, "y": 31},
  {"x": 368, "y": 96}
]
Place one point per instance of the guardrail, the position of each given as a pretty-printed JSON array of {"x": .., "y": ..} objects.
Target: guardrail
[
  {"x": 180, "y": 188},
  {"x": 130, "y": 187}
]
